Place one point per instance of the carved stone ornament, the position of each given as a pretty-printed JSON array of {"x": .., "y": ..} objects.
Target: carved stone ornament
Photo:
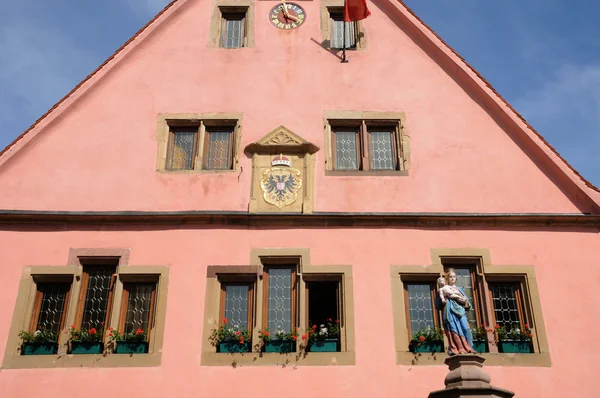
[{"x": 280, "y": 183}]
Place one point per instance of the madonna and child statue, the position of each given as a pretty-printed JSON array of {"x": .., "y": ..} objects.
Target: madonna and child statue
[{"x": 454, "y": 304}]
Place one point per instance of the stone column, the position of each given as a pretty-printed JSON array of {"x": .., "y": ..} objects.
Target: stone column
[{"x": 467, "y": 379}]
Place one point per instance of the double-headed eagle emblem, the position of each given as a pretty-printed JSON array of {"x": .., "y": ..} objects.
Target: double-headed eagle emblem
[{"x": 281, "y": 183}]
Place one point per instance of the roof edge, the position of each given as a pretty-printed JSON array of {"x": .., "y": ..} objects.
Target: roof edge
[
  {"x": 581, "y": 182},
  {"x": 88, "y": 82}
]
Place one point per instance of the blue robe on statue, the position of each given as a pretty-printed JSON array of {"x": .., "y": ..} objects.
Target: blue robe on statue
[{"x": 455, "y": 316}]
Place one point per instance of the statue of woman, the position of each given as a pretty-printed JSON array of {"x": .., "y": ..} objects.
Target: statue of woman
[{"x": 454, "y": 306}]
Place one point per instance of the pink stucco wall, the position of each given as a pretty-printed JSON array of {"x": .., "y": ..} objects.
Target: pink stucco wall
[
  {"x": 101, "y": 154},
  {"x": 569, "y": 302}
]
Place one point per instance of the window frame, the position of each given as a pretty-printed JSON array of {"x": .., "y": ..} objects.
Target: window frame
[
  {"x": 519, "y": 298},
  {"x": 203, "y": 123},
  {"x": 83, "y": 293},
  {"x": 329, "y": 8},
  {"x": 336, "y": 14},
  {"x": 125, "y": 306},
  {"x": 37, "y": 305},
  {"x": 367, "y": 123},
  {"x": 436, "y": 313},
  {"x": 293, "y": 295},
  {"x": 172, "y": 131},
  {"x": 234, "y": 14},
  {"x": 72, "y": 274},
  {"x": 237, "y": 281}
]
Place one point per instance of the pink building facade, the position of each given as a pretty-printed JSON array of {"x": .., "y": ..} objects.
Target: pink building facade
[{"x": 225, "y": 164}]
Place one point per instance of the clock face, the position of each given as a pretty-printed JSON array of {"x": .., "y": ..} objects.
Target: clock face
[{"x": 287, "y": 16}]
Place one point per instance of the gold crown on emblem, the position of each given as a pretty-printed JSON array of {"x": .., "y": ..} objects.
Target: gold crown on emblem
[{"x": 281, "y": 160}]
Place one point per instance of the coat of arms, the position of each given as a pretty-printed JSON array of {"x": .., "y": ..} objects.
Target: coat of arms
[{"x": 281, "y": 183}]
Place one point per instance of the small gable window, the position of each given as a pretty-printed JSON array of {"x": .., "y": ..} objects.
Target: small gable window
[
  {"x": 233, "y": 27},
  {"x": 338, "y": 28}
]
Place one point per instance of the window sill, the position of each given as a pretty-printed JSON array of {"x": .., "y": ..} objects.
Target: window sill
[
  {"x": 276, "y": 359},
  {"x": 371, "y": 173},
  {"x": 197, "y": 171},
  {"x": 82, "y": 360},
  {"x": 491, "y": 359}
]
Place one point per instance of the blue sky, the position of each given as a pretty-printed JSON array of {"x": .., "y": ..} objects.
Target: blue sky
[{"x": 543, "y": 56}]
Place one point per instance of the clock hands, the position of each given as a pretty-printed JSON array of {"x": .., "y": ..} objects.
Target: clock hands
[{"x": 286, "y": 13}]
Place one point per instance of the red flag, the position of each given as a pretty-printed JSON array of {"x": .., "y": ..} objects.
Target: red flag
[{"x": 355, "y": 10}]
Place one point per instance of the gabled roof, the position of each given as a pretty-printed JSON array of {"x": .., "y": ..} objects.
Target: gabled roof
[{"x": 443, "y": 54}]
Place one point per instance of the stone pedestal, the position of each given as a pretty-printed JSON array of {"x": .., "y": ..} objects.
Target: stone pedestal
[{"x": 467, "y": 379}]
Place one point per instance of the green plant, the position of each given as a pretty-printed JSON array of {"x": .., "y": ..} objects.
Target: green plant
[
  {"x": 86, "y": 335},
  {"x": 328, "y": 330},
  {"x": 136, "y": 336},
  {"x": 479, "y": 332},
  {"x": 427, "y": 335},
  {"x": 39, "y": 336},
  {"x": 514, "y": 334},
  {"x": 229, "y": 332},
  {"x": 280, "y": 335}
]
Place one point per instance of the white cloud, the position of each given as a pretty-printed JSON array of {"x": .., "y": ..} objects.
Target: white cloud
[{"x": 566, "y": 111}]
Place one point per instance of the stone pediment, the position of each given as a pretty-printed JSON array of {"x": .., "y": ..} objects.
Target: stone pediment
[{"x": 282, "y": 139}]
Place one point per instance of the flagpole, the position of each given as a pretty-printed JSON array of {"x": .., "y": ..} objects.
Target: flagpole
[{"x": 344, "y": 60}]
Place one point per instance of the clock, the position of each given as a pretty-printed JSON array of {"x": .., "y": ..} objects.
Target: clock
[{"x": 287, "y": 16}]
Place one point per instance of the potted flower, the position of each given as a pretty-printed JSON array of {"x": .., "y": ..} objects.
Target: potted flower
[
  {"x": 279, "y": 341},
  {"x": 480, "y": 340},
  {"x": 230, "y": 338},
  {"x": 514, "y": 340},
  {"x": 324, "y": 338},
  {"x": 427, "y": 340},
  {"x": 41, "y": 342},
  {"x": 86, "y": 341},
  {"x": 133, "y": 342}
]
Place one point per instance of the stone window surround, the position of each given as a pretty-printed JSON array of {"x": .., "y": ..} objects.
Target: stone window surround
[
  {"x": 258, "y": 259},
  {"x": 326, "y": 7},
  {"x": 215, "y": 22},
  {"x": 73, "y": 271},
  {"x": 369, "y": 116},
  {"x": 492, "y": 272},
  {"x": 166, "y": 120}
]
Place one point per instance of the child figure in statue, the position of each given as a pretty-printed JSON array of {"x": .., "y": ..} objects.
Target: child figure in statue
[{"x": 454, "y": 306}]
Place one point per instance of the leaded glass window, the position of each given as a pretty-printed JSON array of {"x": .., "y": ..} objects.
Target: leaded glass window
[
  {"x": 97, "y": 289},
  {"x": 337, "y": 30},
  {"x": 280, "y": 300},
  {"x": 506, "y": 300},
  {"x": 218, "y": 152},
  {"x": 139, "y": 299},
  {"x": 346, "y": 149},
  {"x": 465, "y": 281},
  {"x": 382, "y": 150},
  {"x": 237, "y": 305},
  {"x": 232, "y": 30},
  {"x": 420, "y": 306},
  {"x": 50, "y": 307},
  {"x": 182, "y": 149}
]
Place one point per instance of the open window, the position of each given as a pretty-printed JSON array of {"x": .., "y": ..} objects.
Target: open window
[{"x": 323, "y": 305}]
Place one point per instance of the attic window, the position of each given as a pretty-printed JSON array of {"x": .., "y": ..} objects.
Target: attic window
[
  {"x": 338, "y": 28},
  {"x": 233, "y": 27}
]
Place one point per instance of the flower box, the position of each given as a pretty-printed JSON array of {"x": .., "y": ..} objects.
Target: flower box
[
  {"x": 480, "y": 345},
  {"x": 429, "y": 346},
  {"x": 87, "y": 347},
  {"x": 39, "y": 348},
  {"x": 233, "y": 346},
  {"x": 280, "y": 346},
  {"x": 515, "y": 346},
  {"x": 131, "y": 347},
  {"x": 327, "y": 345}
]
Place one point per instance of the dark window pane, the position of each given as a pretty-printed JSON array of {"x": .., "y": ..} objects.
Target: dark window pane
[
  {"x": 337, "y": 29},
  {"x": 182, "y": 150},
  {"x": 236, "y": 305},
  {"x": 280, "y": 300},
  {"x": 382, "y": 155},
  {"x": 420, "y": 306},
  {"x": 232, "y": 35},
  {"x": 346, "y": 157},
  {"x": 52, "y": 308},
  {"x": 505, "y": 306},
  {"x": 218, "y": 151},
  {"x": 96, "y": 297},
  {"x": 139, "y": 306}
]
